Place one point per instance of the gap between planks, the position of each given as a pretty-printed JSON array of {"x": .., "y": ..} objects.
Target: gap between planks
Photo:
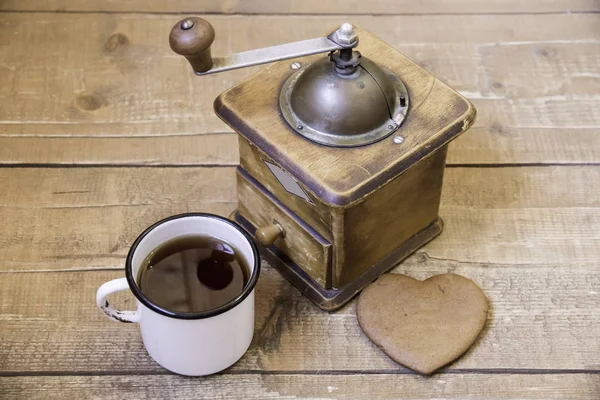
[
  {"x": 130, "y": 165},
  {"x": 243, "y": 14},
  {"x": 466, "y": 371},
  {"x": 121, "y": 267}
]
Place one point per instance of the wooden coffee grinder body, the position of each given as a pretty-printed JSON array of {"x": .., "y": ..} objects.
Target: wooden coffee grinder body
[{"x": 340, "y": 217}]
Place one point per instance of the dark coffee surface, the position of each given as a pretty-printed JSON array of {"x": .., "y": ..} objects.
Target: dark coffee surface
[{"x": 193, "y": 274}]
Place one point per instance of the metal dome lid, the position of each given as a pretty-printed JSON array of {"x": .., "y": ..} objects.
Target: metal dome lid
[{"x": 345, "y": 100}]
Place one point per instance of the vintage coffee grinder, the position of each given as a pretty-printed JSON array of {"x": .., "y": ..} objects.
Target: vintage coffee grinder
[{"x": 342, "y": 156}]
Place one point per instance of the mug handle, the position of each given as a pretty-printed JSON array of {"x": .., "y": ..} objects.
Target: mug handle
[{"x": 109, "y": 287}]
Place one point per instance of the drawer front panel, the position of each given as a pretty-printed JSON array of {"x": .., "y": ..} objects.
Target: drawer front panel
[
  {"x": 314, "y": 212},
  {"x": 301, "y": 243}
]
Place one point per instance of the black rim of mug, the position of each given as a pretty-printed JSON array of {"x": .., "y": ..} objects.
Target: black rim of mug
[{"x": 197, "y": 315}]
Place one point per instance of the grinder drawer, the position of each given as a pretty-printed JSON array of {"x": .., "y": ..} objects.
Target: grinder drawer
[{"x": 300, "y": 243}]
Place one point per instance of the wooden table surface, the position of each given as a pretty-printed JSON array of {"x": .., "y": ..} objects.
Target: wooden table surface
[{"x": 103, "y": 131}]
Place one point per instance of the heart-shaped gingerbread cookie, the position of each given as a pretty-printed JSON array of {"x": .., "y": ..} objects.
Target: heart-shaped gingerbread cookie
[{"x": 422, "y": 325}]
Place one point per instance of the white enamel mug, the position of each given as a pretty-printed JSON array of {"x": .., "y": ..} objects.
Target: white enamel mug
[{"x": 189, "y": 343}]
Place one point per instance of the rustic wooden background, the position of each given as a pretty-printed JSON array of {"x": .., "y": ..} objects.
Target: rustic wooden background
[{"x": 103, "y": 130}]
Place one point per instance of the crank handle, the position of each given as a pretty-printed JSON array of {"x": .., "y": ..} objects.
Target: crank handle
[{"x": 193, "y": 36}]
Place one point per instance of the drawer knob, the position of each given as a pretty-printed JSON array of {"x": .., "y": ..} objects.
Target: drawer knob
[{"x": 268, "y": 234}]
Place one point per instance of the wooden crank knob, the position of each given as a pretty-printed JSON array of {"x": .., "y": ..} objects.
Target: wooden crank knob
[
  {"x": 191, "y": 37},
  {"x": 269, "y": 234}
]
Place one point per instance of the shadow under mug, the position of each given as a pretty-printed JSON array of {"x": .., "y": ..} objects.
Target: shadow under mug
[{"x": 193, "y": 344}]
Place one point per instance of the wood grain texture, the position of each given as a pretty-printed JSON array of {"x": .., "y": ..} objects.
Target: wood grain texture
[
  {"x": 88, "y": 217},
  {"x": 201, "y": 149},
  {"x": 388, "y": 218},
  {"x": 104, "y": 88},
  {"x": 384, "y": 7},
  {"x": 541, "y": 318},
  {"x": 527, "y": 236},
  {"x": 113, "y": 78},
  {"x": 285, "y": 386},
  {"x": 57, "y": 218}
]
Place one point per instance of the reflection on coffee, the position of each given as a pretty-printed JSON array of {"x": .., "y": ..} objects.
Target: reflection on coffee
[{"x": 193, "y": 274}]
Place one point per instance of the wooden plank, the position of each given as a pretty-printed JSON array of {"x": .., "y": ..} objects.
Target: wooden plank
[
  {"x": 92, "y": 214},
  {"x": 541, "y": 318},
  {"x": 491, "y": 143},
  {"x": 87, "y": 217},
  {"x": 204, "y": 149},
  {"x": 495, "y": 144},
  {"x": 288, "y": 386},
  {"x": 111, "y": 77},
  {"x": 384, "y": 7}
]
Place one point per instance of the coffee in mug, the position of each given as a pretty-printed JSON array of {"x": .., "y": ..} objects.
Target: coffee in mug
[{"x": 193, "y": 274}]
